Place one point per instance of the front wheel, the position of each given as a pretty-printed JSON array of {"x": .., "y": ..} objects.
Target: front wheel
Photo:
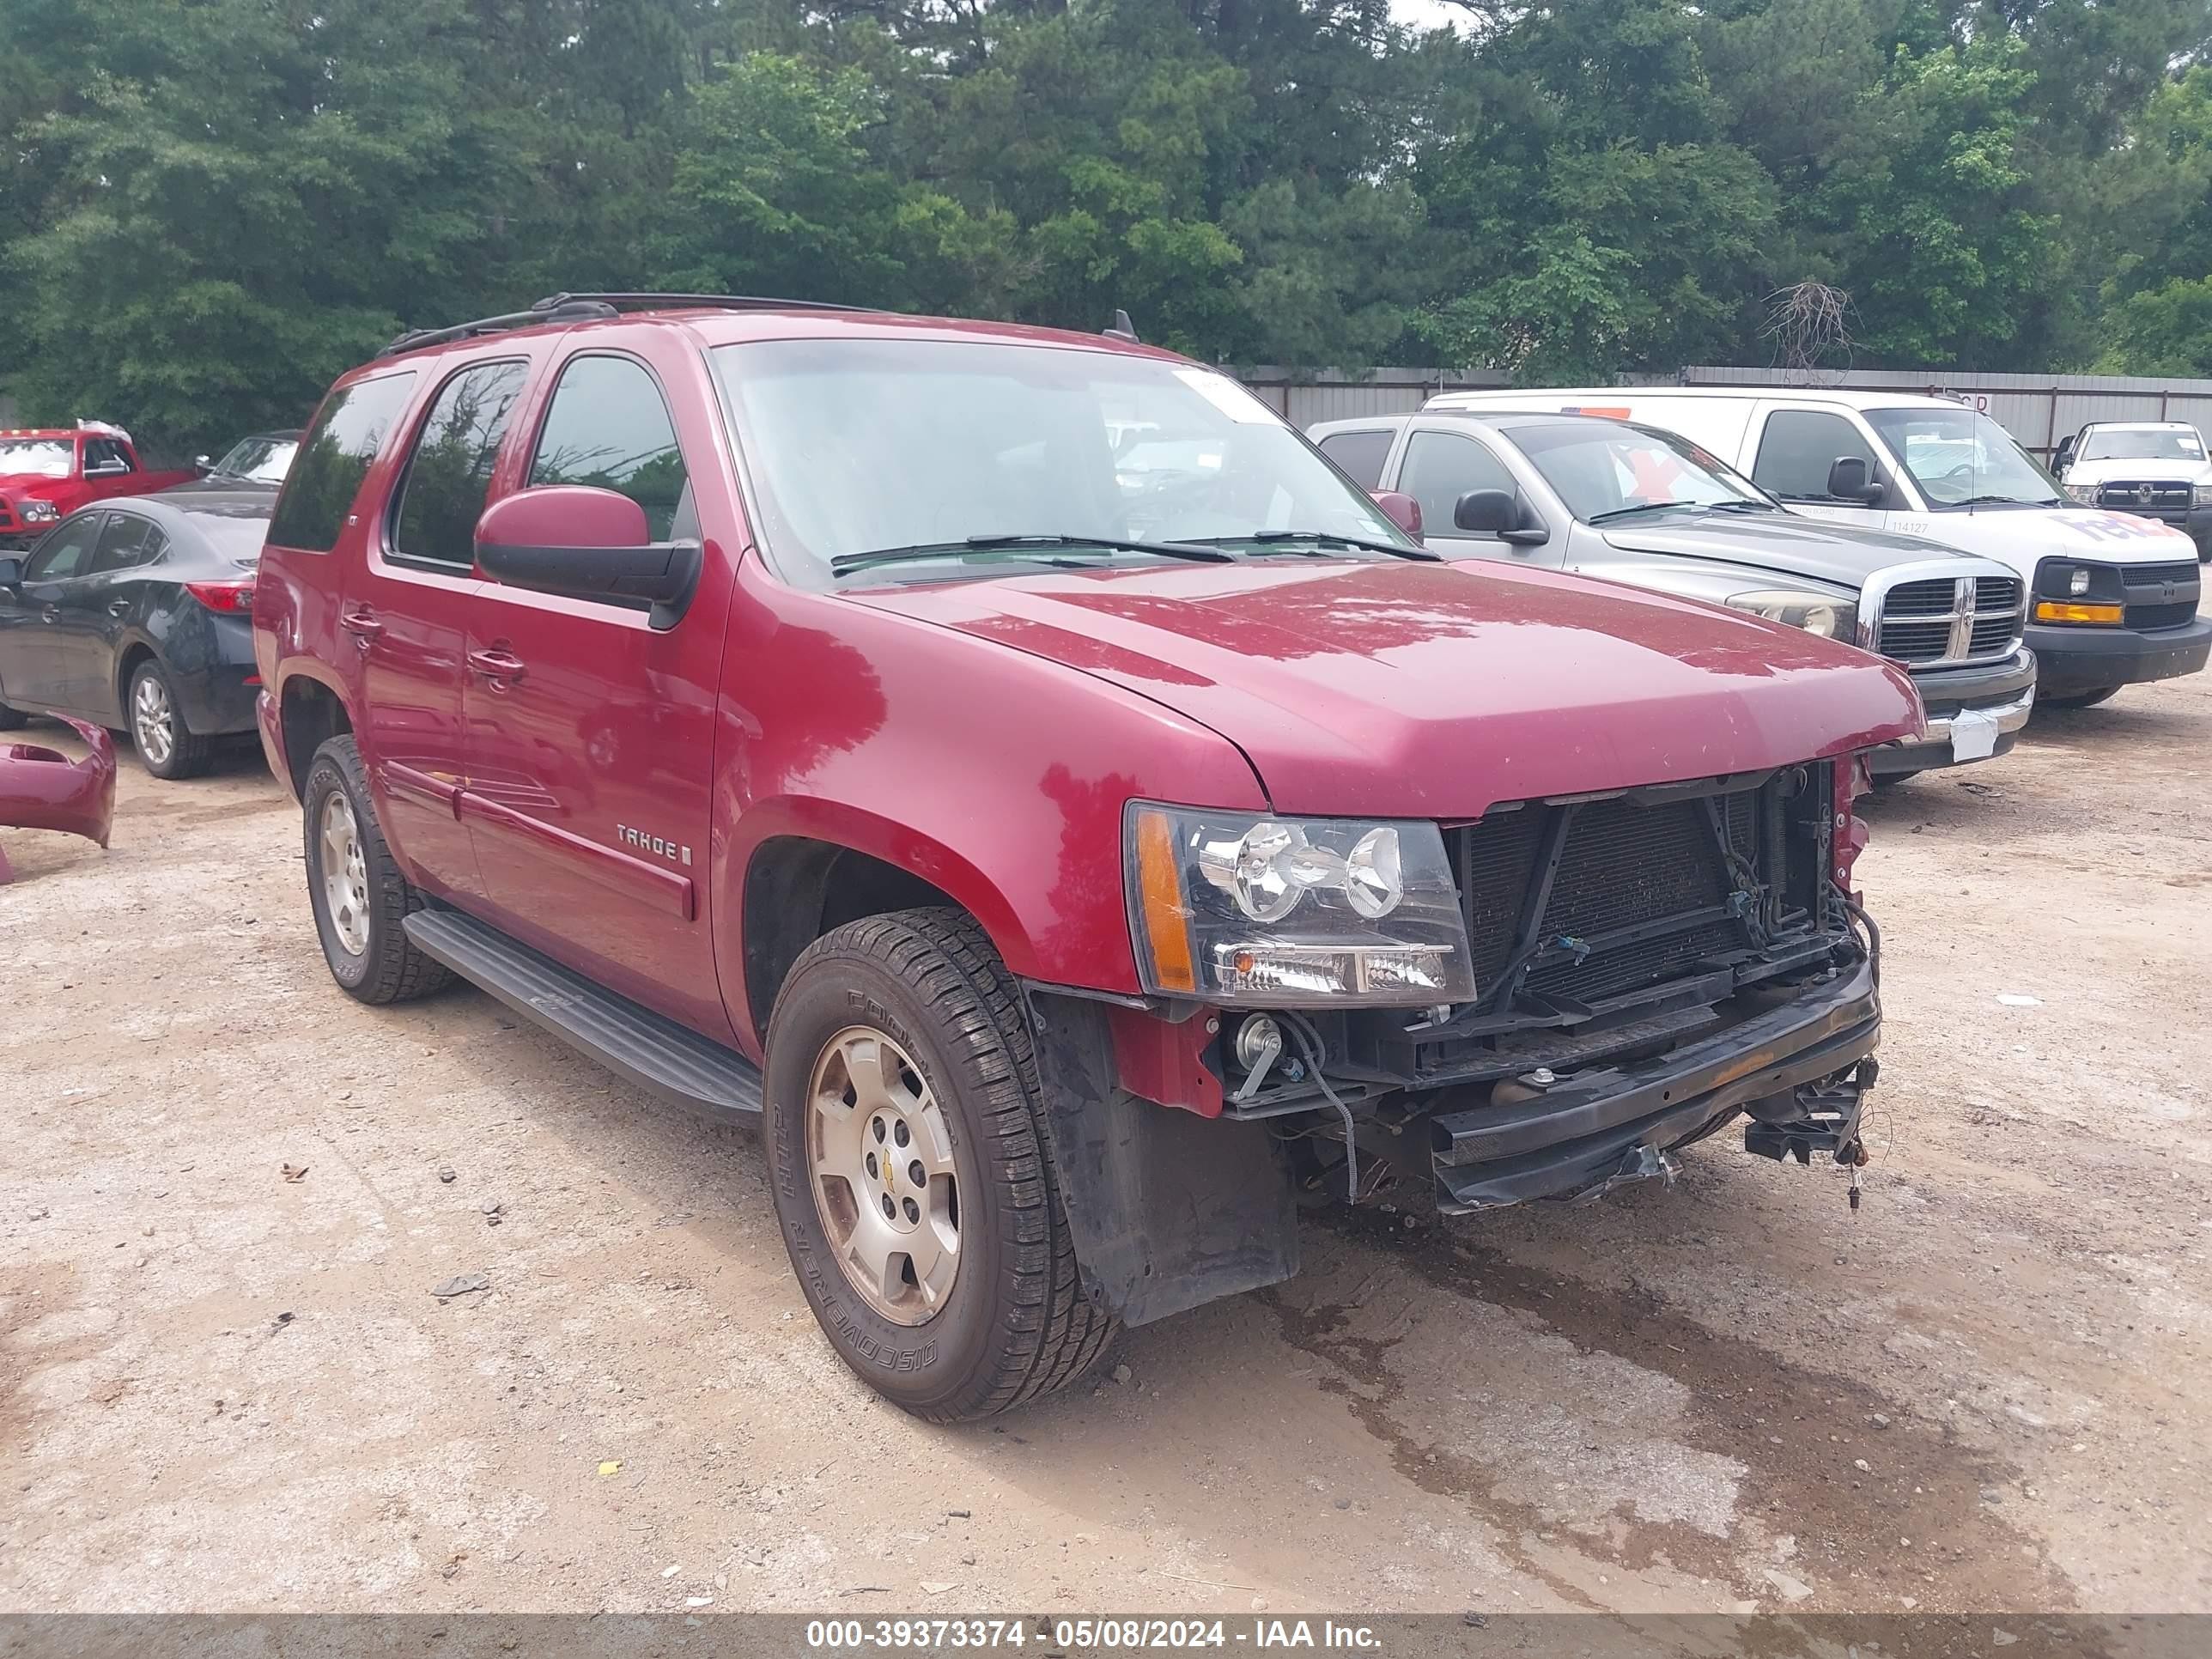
[
  {"x": 913, "y": 1182},
  {"x": 2080, "y": 699}
]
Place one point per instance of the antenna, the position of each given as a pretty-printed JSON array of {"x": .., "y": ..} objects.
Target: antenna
[{"x": 1123, "y": 329}]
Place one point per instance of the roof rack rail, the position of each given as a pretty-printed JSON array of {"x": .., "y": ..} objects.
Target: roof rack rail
[
  {"x": 710, "y": 301},
  {"x": 596, "y": 307}
]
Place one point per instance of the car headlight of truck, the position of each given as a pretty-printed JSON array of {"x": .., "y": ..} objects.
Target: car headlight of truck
[
  {"x": 2201, "y": 495},
  {"x": 1248, "y": 908},
  {"x": 2087, "y": 492},
  {"x": 37, "y": 512},
  {"x": 1816, "y": 613}
]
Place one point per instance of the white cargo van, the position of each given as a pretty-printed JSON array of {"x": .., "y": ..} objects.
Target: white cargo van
[{"x": 2113, "y": 596}]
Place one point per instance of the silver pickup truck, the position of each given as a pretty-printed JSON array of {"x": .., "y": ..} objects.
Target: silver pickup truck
[{"x": 1610, "y": 498}]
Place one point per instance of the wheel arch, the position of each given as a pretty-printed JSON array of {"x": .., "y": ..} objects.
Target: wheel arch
[
  {"x": 818, "y": 869},
  {"x": 309, "y": 711},
  {"x": 137, "y": 650}
]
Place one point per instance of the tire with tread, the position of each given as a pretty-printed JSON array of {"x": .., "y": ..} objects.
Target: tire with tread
[
  {"x": 391, "y": 969},
  {"x": 188, "y": 754},
  {"x": 1015, "y": 1324}
]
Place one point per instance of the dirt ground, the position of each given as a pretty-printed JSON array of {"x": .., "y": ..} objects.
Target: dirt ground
[{"x": 222, "y": 1389}]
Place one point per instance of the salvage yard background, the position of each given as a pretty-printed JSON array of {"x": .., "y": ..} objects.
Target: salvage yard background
[
  {"x": 209, "y": 210},
  {"x": 220, "y": 1389}
]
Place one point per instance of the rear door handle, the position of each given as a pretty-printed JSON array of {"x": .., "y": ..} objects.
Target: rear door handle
[
  {"x": 362, "y": 625},
  {"x": 117, "y": 607},
  {"x": 51, "y": 613},
  {"x": 496, "y": 665}
]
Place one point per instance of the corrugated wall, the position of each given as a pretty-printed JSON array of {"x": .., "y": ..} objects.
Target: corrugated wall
[{"x": 2038, "y": 410}]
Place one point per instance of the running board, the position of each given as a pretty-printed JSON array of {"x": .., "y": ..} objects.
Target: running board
[{"x": 654, "y": 1052}]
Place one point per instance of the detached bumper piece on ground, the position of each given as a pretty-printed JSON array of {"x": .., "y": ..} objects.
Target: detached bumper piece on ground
[{"x": 42, "y": 788}]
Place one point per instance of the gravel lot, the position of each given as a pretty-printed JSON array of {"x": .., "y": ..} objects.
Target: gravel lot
[{"x": 223, "y": 1389}]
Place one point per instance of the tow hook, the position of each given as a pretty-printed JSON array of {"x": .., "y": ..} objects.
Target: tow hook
[{"x": 1816, "y": 1117}]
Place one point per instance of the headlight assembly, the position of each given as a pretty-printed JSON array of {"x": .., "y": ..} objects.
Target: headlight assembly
[
  {"x": 37, "y": 512},
  {"x": 2201, "y": 495},
  {"x": 1240, "y": 907},
  {"x": 2082, "y": 493},
  {"x": 1816, "y": 613}
]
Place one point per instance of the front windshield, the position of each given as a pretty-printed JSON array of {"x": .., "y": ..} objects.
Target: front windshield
[
  {"x": 858, "y": 446},
  {"x": 2141, "y": 443},
  {"x": 1605, "y": 469},
  {"x": 41, "y": 457},
  {"x": 259, "y": 460},
  {"x": 1960, "y": 458}
]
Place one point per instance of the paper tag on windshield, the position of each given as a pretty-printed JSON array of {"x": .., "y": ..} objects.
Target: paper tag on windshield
[
  {"x": 1973, "y": 735},
  {"x": 1230, "y": 398}
]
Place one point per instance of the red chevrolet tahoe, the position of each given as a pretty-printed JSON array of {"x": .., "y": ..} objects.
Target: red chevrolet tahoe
[
  {"x": 1017, "y": 767},
  {"x": 46, "y": 473}
]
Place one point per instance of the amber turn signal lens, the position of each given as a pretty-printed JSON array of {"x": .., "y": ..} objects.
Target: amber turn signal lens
[
  {"x": 2058, "y": 611},
  {"x": 1159, "y": 886}
]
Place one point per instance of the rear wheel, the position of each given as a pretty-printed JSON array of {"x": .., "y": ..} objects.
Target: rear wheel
[
  {"x": 355, "y": 886},
  {"x": 158, "y": 732},
  {"x": 913, "y": 1182},
  {"x": 2080, "y": 699}
]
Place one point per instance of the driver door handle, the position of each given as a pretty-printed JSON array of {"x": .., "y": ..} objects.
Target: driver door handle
[
  {"x": 496, "y": 665},
  {"x": 362, "y": 625},
  {"x": 118, "y": 607},
  {"x": 51, "y": 613}
]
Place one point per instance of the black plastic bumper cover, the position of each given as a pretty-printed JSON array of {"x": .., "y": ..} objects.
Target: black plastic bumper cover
[
  {"x": 1578, "y": 1138},
  {"x": 2071, "y": 659}
]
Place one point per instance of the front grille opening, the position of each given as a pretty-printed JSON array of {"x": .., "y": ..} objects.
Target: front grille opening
[
  {"x": 1916, "y": 641},
  {"x": 1924, "y": 598},
  {"x": 1643, "y": 891},
  {"x": 2160, "y": 595}
]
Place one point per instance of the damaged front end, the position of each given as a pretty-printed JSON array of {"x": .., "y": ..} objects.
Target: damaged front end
[
  {"x": 1650, "y": 963},
  {"x": 42, "y": 788}
]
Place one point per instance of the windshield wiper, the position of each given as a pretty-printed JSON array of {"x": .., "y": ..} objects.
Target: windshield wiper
[
  {"x": 844, "y": 563},
  {"x": 1745, "y": 507},
  {"x": 1329, "y": 538},
  {"x": 1642, "y": 507},
  {"x": 2005, "y": 501}
]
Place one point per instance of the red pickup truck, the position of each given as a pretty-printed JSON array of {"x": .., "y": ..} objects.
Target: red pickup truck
[
  {"x": 48, "y": 472},
  {"x": 1075, "y": 819}
]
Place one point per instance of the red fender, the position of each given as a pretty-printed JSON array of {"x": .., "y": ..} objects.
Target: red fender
[{"x": 42, "y": 788}]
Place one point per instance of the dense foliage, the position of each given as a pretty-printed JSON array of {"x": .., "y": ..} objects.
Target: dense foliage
[{"x": 209, "y": 207}]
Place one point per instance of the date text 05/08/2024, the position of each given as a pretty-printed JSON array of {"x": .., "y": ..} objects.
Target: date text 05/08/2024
[{"x": 1131, "y": 1635}]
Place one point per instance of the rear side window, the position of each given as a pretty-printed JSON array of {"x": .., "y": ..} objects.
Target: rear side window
[
  {"x": 128, "y": 541},
  {"x": 1442, "y": 466},
  {"x": 442, "y": 496},
  {"x": 1361, "y": 454},
  {"x": 608, "y": 426},
  {"x": 1798, "y": 447},
  {"x": 64, "y": 551},
  {"x": 334, "y": 460}
]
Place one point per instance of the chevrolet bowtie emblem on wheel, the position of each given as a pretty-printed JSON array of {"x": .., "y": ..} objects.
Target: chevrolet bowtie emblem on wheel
[{"x": 672, "y": 851}]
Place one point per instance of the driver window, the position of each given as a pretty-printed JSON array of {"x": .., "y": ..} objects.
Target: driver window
[
  {"x": 104, "y": 452},
  {"x": 1439, "y": 468},
  {"x": 62, "y": 554},
  {"x": 1798, "y": 447}
]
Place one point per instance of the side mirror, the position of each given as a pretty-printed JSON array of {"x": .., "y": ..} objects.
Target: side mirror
[
  {"x": 1495, "y": 512},
  {"x": 2064, "y": 457},
  {"x": 587, "y": 544},
  {"x": 1401, "y": 510},
  {"x": 1848, "y": 482},
  {"x": 105, "y": 469},
  {"x": 203, "y": 465},
  {"x": 11, "y": 572}
]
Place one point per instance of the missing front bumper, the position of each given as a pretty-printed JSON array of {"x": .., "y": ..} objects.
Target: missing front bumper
[{"x": 1593, "y": 1132}]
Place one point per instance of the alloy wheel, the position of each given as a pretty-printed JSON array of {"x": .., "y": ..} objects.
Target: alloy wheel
[
  {"x": 345, "y": 874},
  {"x": 879, "y": 1159},
  {"x": 153, "y": 720}
]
